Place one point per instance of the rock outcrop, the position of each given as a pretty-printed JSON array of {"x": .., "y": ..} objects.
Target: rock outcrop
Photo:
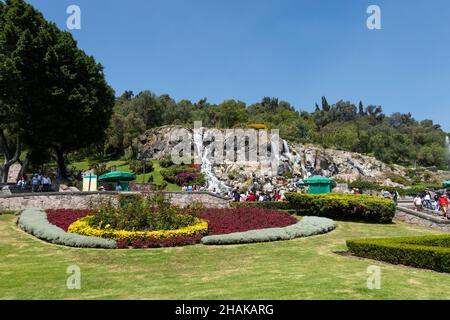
[{"x": 294, "y": 161}]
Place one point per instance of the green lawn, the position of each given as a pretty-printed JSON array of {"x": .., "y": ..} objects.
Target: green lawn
[{"x": 298, "y": 269}]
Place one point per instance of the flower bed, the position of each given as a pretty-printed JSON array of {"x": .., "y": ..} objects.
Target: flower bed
[
  {"x": 223, "y": 221},
  {"x": 34, "y": 221},
  {"x": 63, "y": 218},
  {"x": 83, "y": 227}
]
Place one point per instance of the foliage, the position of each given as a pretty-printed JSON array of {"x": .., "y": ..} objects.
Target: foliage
[
  {"x": 71, "y": 102},
  {"x": 3, "y": 212},
  {"x": 166, "y": 162},
  {"x": 136, "y": 213},
  {"x": 397, "y": 138},
  {"x": 428, "y": 252},
  {"x": 222, "y": 221},
  {"x": 308, "y": 226},
  {"x": 85, "y": 226},
  {"x": 139, "y": 167},
  {"x": 181, "y": 174},
  {"x": 34, "y": 221},
  {"x": 343, "y": 207}
]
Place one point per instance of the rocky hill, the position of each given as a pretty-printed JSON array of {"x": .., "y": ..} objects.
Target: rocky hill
[{"x": 296, "y": 162}]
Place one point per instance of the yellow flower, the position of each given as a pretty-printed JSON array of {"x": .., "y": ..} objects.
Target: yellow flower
[{"x": 82, "y": 227}]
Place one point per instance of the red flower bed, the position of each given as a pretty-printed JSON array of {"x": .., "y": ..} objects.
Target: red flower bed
[
  {"x": 63, "y": 218},
  {"x": 223, "y": 221}
]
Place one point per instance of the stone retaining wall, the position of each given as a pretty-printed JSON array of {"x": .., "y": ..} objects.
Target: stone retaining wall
[
  {"x": 81, "y": 200},
  {"x": 422, "y": 219}
]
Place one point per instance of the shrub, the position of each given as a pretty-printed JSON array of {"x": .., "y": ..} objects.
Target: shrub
[
  {"x": 308, "y": 226},
  {"x": 428, "y": 252},
  {"x": 135, "y": 212},
  {"x": 34, "y": 221},
  {"x": 343, "y": 207},
  {"x": 84, "y": 226},
  {"x": 166, "y": 162},
  {"x": 3, "y": 212},
  {"x": 138, "y": 166},
  {"x": 172, "y": 173}
]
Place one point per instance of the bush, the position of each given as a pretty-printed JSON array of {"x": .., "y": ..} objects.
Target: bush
[
  {"x": 343, "y": 207},
  {"x": 138, "y": 166},
  {"x": 428, "y": 252},
  {"x": 183, "y": 174},
  {"x": 308, "y": 226},
  {"x": 166, "y": 162},
  {"x": 34, "y": 221},
  {"x": 3, "y": 212},
  {"x": 135, "y": 212}
]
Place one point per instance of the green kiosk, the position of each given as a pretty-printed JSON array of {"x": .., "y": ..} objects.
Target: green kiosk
[
  {"x": 319, "y": 184},
  {"x": 446, "y": 184}
]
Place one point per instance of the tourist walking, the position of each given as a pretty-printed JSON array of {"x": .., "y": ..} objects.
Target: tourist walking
[
  {"x": 427, "y": 201},
  {"x": 35, "y": 183},
  {"x": 236, "y": 195}
]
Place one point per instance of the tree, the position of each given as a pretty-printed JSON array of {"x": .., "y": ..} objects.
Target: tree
[{"x": 56, "y": 96}]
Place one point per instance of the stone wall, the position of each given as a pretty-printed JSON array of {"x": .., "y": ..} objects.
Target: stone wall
[
  {"x": 422, "y": 219},
  {"x": 81, "y": 200}
]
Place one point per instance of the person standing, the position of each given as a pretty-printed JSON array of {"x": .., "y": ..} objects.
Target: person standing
[
  {"x": 443, "y": 204},
  {"x": 418, "y": 203},
  {"x": 34, "y": 183},
  {"x": 236, "y": 195},
  {"x": 46, "y": 183}
]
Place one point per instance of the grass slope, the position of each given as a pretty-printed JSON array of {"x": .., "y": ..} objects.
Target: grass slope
[{"x": 298, "y": 269}]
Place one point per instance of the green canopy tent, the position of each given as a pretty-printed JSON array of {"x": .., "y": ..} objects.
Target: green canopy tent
[
  {"x": 319, "y": 184},
  {"x": 446, "y": 184},
  {"x": 120, "y": 177}
]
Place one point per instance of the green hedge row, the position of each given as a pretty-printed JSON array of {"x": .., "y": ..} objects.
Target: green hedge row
[
  {"x": 306, "y": 227},
  {"x": 428, "y": 252},
  {"x": 343, "y": 207}
]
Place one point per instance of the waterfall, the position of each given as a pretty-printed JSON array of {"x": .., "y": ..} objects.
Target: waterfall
[{"x": 201, "y": 154}]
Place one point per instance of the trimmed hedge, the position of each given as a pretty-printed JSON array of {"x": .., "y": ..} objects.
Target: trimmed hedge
[
  {"x": 343, "y": 207},
  {"x": 34, "y": 221},
  {"x": 427, "y": 252},
  {"x": 308, "y": 226},
  {"x": 277, "y": 205}
]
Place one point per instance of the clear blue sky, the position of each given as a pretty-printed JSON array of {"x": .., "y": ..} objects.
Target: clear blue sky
[{"x": 296, "y": 50}]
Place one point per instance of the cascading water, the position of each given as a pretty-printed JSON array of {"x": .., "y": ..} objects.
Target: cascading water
[{"x": 202, "y": 153}]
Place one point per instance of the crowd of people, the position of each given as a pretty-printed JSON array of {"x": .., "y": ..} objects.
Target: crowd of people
[
  {"x": 193, "y": 188},
  {"x": 239, "y": 196},
  {"x": 437, "y": 202},
  {"x": 38, "y": 183}
]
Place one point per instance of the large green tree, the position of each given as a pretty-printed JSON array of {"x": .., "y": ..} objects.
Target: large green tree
[{"x": 53, "y": 96}]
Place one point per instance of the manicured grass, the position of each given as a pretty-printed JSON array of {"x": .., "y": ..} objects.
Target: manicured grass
[{"x": 298, "y": 269}]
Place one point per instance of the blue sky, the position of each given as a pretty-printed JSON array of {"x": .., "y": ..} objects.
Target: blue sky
[{"x": 296, "y": 50}]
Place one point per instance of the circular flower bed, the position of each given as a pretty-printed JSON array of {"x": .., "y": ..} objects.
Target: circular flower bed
[{"x": 148, "y": 222}]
